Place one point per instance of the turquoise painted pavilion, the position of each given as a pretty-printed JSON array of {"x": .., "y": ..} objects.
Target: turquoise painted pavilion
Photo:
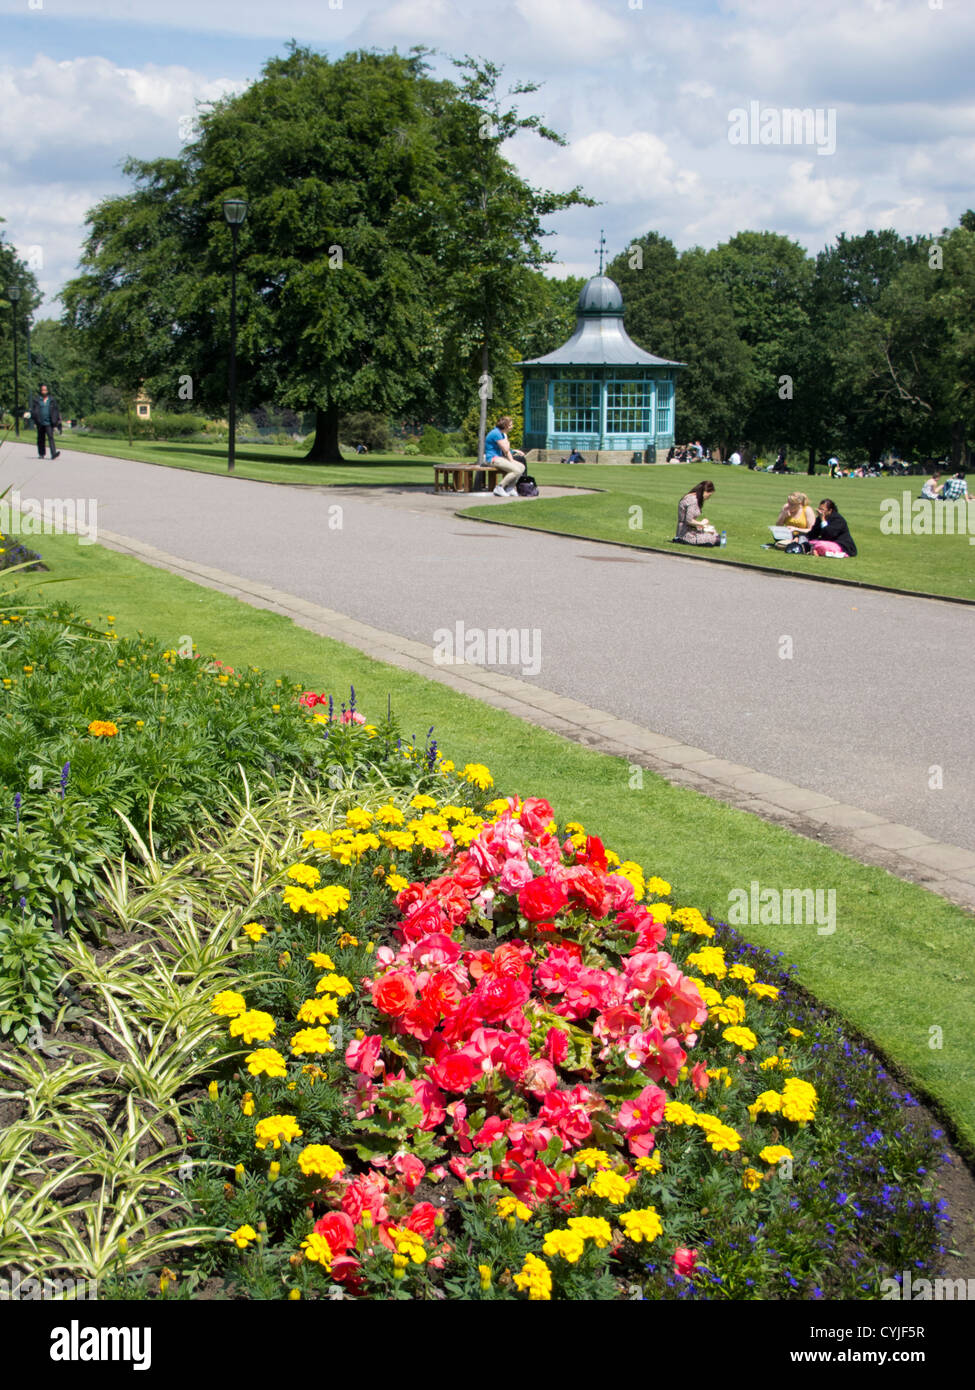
[{"x": 599, "y": 392}]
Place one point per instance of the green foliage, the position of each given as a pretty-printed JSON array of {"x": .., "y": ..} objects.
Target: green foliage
[
  {"x": 368, "y": 428},
  {"x": 411, "y": 449},
  {"x": 432, "y": 441},
  {"x": 29, "y": 975},
  {"x": 159, "y": 426}
]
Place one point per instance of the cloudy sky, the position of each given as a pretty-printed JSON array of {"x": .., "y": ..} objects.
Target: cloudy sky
[{"x": 647, "y": 92}]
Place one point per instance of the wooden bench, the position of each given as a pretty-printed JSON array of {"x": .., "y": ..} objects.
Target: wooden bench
[{"x": 459, "y": 477}]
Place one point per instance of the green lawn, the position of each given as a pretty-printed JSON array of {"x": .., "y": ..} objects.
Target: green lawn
[
  {"x": 637, "y": 505},
  {"x": 900, "y": 961},
  {"x": 639, "y": 508}
]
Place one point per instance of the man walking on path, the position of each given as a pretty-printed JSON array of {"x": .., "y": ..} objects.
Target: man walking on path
[{"x": 46, "y": 416}]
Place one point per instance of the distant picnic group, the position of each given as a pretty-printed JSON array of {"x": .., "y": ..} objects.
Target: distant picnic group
[{"x": 800, "y": 529}]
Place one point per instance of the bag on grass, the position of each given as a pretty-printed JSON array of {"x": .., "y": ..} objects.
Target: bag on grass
[{"x": 797, "y": 548}]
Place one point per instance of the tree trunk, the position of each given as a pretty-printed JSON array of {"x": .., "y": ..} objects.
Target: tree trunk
[
  {"x": 325, "y": 446},
  {"x": 812, "y": 461},
  {"x": 957, "y": 444}
]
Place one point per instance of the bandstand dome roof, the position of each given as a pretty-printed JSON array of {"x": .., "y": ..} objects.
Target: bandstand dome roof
[{"x": 600, "y": 340}]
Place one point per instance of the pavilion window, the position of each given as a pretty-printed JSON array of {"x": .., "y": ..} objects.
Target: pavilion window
[
  {"x": 576, "y": 407},
  {"x": 665, "y": 407},
  {"x": 629, "y": 407},
  {"x": 536, "y": 393}
]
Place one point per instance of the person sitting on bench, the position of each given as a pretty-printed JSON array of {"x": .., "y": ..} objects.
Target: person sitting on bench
[{"x": 497, "y": 451}]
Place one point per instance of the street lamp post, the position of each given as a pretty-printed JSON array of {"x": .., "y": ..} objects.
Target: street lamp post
[
  {"x": 234, "y": 211},
  {"x": 13, "y": 294}
]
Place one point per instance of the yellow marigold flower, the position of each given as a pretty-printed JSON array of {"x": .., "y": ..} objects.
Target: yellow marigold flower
[
  {"x": 724, "y": 1139},
  {"x": 304, "y": 873},
  {"x": 335, "y": 984},
  {"x": 346, "y": 939},
  {"x": 318, "y": 1250},
  {"x": 641, "y": 1225},
  {"x": 312, "y": 1040},
  {"x": 742, "y": 972},
  {"x": 396, "y": 883},
  {"x": 796, "y": 1033},
  {"x": 102, "y": 728},
  {"x": 768, "y": 1103},
  {"x": 730, "y": 1010},
  {"x": 751, "y": 1179},
  {"x": 239, "y": 1170},
  {"x": 594, "y": 1228},
  {"x": 321, "y": 960},
  {"x": 762, "y": 991},
  {"x": 677, "y": 1113},
  {"x": 213, "y": 1091},
  {"x": 388, "y": 814},
  {"x": 632, "y": 871},
  {"x": 320, "y": 1161},
  {"x": 535, "y": 1279},
  {"x": 798, "y": 1100},
  {"x": 409, "y": 1244},
  {"x": 741, "y": 1037},
  {"x": 592, "y": 1158},
  {"x": 400, "y": 840},
  {"x": 429, "y": 839},
  {"x": 769, "y": 1064},
  {"x": 611, "y": 1186},
  {"x": 422, "y": 802},
  {"x": 467, "y": 833},
  {"x": 709, "y": 960},
  {"x": 358, "y": 818},
  {"x": 329, "y": 901},
  {"x": 478, "y": 775},
  {"x": 266, "y": 1061},
  {"x": 275, "y": 1130},
  {"x": 775, "y": 1153},
  {"x": 649, "y": 1163},
  {"x": 254, "y": 930},
  {"x": 318, "y": 1010},
  {"x": 247, "y": 1103},
  {"x": 252, "y": 1026},
  {"x": 510, "y": 1206},
  {"x": 706, "y": 1122},
  {"x": 569, "y": 1244},
  {"x": 274, "y": 1172},
  {"x": 228, "y": 1004},
  {"x": 658, "y": 887},
  {"x": 484, "y": 1273},
  {"x": 243, "y": 1236},
  {"x": 318, "y": 839}
]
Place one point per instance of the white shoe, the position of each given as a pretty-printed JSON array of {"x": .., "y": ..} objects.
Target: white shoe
[
  {"x": 499, "y": 491},
  {"x": 512, "y": 492}
]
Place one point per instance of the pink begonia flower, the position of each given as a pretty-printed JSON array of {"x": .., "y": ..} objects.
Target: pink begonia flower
[
  {"x": 363, "y": 1056},
  {"x": 353, "y": 717},
  {"x": 685, "y": 1261},
  {"x": 515, "y": 874}
]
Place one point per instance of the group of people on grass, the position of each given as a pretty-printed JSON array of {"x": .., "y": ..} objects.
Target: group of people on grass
[
  {"x": 820, "y": 532},
  {"x": 954, "y": 489}
]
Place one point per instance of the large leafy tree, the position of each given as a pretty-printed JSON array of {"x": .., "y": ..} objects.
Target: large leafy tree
[
  {"x": 355, "y": 174},
  {"x": 14, "y": 272},
  {"x": 675, "y": 309},
  {"x": 766, "y": 278}
]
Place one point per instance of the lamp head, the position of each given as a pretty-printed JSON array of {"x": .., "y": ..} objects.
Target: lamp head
[{"x": 234, "y": 210}]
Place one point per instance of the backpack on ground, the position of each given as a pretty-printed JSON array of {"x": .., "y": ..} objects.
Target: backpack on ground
[{"x": 526, "y": 486}]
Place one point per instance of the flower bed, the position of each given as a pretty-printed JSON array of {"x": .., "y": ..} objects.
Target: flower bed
[{"x": 529, "y": 1076}]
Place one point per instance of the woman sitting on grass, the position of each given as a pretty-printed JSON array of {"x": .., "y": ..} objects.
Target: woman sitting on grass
[
  {"x": 830, "y": 534},
  {"x": 798, "y": 515},
  {"x": 692, "y": 527}
]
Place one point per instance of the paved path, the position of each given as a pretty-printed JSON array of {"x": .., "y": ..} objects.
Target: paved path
[{"x": 684, "y": 665}]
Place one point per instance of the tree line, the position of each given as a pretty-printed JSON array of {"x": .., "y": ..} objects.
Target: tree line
[{"x": 392, "y": 262}]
